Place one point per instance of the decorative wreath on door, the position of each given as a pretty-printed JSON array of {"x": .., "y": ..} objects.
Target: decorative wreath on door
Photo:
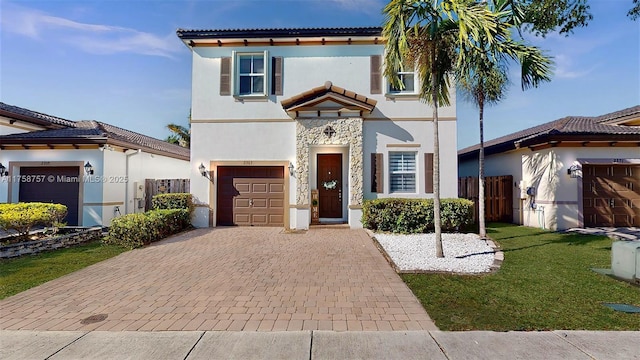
[{"x": 330, "y": 185}]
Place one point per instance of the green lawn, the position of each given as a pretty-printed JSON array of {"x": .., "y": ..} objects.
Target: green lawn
[
  {"x": 22, "y": 273},
  {"x": 544, "y": 283}
]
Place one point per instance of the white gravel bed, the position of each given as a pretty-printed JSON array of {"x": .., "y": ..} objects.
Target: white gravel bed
[{"x": 463, "y": 253}]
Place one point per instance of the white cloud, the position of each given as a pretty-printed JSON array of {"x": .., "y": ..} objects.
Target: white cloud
[
  {"x": 91, "y": 38},
  {"x": 566, "y": 68},
  {"x": 365, "y": 6}
]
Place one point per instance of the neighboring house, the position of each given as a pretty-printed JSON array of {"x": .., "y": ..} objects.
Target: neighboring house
[
  {"x": 277, "y": 113},
  {"x": 571, "y": 172},
  {"x": 93, "y": 168}
]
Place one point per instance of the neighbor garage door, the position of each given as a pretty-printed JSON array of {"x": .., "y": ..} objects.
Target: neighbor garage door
[
  {"x": 611, "y": 195},
  {"x": 57, "y": 185},
  {"x": 250, "y": 196}
]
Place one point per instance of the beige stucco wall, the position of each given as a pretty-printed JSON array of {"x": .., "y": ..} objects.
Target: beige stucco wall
[{"x": 558, "y": 198}]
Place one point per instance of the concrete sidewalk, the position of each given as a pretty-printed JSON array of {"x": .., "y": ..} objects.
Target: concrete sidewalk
[{"x": 194, "y": 345}]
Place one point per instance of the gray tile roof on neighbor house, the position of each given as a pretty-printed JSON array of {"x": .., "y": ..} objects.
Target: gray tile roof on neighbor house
[
  {"x": 33, "y": 117},
  {"x": 574, "y": 128},
  {"x": 94, "y": 132}
]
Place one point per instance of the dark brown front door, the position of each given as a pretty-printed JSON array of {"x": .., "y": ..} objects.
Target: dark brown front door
[
  {"x": 330, "y": 185},
  {"x": 250, "y": 196},
  {"x": 611, "y": 195},
  {"x": 57, "y": 185}
]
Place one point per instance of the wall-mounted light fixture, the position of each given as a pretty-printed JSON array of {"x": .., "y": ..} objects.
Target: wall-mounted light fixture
[
  {"x": 292, "y": 169},
  {"x": 88, "y": 168},
  {"x": 3, "y": 170},
  {"x": 203, "y": 170},
  {"x": 574, "y": 171}
]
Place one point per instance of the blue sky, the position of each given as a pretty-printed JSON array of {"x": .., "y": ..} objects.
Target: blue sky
[{"x": 120, "y": 61}]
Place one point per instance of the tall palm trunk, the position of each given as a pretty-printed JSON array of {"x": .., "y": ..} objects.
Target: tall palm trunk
[
  {"x": 481, "y": 203},
  {"x": 437, "y": 221}
]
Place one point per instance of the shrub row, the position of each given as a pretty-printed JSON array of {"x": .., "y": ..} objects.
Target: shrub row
[
  {"x": 136, "y": 230},
  {"x": 171, "y": 214},
  {"x": 415, "y": 215},
  {"x": 21, "y": 217},
  {"x": 173, "y": 201}
]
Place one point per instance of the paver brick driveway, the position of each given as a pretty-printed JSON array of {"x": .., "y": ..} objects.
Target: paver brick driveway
[{"x": 229, "y": 279}]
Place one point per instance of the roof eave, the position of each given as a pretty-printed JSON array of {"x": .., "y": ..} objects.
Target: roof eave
[{"x": 31, "y": 120}]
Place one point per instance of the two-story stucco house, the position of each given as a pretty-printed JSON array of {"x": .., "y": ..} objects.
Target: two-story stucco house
[{"x": 278, "y": 114}]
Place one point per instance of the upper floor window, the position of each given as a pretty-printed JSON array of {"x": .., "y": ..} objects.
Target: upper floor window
[
  {"x": 251, "y": 74},
  {"x": 408, "y": 78},
  {"x": 402, "y": 172}
]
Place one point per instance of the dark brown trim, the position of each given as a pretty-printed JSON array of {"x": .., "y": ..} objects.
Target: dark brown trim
[
  {"x": 225, "y": 76},
  {"x": 428, "y": 173},
  {"x": 376, "y": 74},
  {"x": 276, "y": 75},
  {"x": 377, "y": 172}
]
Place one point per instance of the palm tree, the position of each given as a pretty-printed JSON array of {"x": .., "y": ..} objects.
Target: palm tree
[
  {"x": 181, "y": 135},
  {"x": 429, "y": 33},
  {"x": 483, "y": 76}
]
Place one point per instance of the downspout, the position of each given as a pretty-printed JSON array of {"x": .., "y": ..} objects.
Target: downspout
[{"x": 127, "y": 154}]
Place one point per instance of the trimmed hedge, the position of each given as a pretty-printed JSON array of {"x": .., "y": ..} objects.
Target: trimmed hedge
[
  {"x": 136, "y": 230},
  {"x": 415, "y": 215},
  {"x": 21, "y": 217},
  {"x": 173, "y": 201}
]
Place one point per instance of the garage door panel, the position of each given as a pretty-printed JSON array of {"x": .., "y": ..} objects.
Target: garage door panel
[
  {"x": 276, "y": 218},
  {"x": 260, "y": 203},
  {"x": 258, "y": 195},
  {"x": 242, "y": 187},
  {"x": 276, "y": 188},
  {"x": 241, "y": 203},
  {"x": 259, "y": 188},
  {"x": 242, "y": 219},
  {"x": 611, "y": 195},
  {"x": 59, "y": 192},
  {"x": 276, "y": 203},
  {"x": 259, "y": 219}
]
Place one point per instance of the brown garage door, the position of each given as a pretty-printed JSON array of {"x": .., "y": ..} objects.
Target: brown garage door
[
  {"x": 250, "y": 195},
  {"x": 611, "y": 195},
  {"x": 57, "y": 185}
]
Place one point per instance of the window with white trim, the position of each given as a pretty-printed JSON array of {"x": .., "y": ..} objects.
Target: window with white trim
[
  {"x": 409, "y": 79},
  {"x": 402, "y": 172},
  {"x": 251, "y": 71}
]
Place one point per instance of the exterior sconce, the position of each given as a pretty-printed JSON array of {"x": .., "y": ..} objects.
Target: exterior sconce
[
  {"x": 3, "y": 170},
  {"x": 292, "y": 169},
  {"x": 574, "y": 171},
  {"x": 203, "y": 170},
  {"x": 88, "y": 168}
]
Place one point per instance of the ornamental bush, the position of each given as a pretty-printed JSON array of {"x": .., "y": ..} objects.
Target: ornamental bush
[
  {"x": 22, "y": 217},
  {"x": 409, "y": 216},
  {"x": 173, "y": 201},
  {"x": 136, "y": 230}
]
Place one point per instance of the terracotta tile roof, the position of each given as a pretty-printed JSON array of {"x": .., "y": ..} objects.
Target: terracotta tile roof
[
  {"x": 317, "y": 94},
  {"x": 95, "y": 132},
  {"x": 187, "y": 34},
  {"x": 33, "y": 116},
  {"x": 578, "y": 126}
]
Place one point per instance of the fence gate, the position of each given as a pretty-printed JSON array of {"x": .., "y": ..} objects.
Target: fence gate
[
  {"x": 498, "y": 196},
  {"x": 163, "y": 186}
]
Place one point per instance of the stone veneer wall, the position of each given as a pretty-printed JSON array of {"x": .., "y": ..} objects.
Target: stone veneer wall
[
  {"x": 310, "y": 132},
  {"x": 57, "y": 242}
]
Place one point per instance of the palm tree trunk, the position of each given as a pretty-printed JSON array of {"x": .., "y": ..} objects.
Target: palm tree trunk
[
  {"x": 481, "y": 203},
  {"x": 437, "y": 221}
]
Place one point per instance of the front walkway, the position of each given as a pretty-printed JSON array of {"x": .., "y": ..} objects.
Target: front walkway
[{"x": 249, "y": 279}]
